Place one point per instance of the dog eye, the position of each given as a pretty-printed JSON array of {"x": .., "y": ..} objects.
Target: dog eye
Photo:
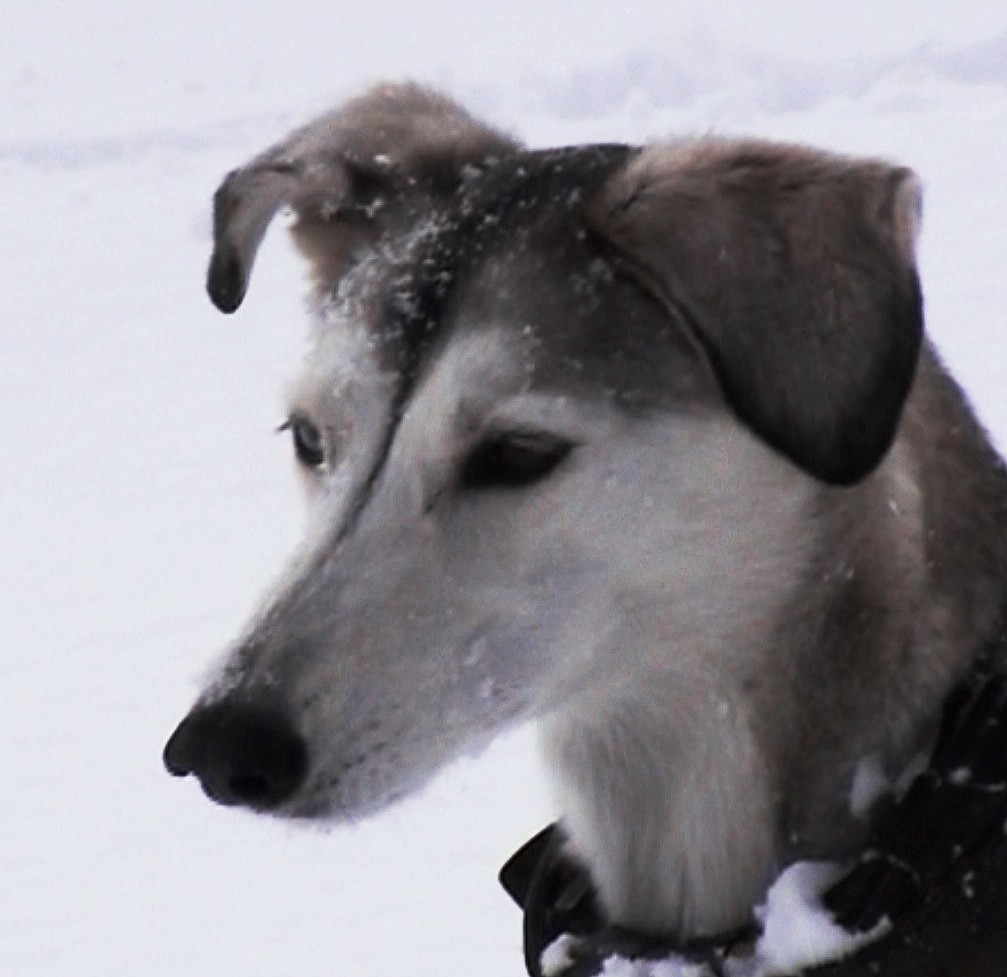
[
  {"x": 514, "y": 460},
  {"x": 309, "y": 445}
]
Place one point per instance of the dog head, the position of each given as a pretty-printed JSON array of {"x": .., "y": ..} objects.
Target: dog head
[{"x": 565, "y": 413}]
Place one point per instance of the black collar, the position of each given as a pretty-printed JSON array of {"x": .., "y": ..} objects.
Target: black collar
[{"x": 935, "y": 867}]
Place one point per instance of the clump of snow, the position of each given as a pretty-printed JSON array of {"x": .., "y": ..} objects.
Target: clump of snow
[
  {"x": 558, "y": 955},
  {"x": 797, "y": 931},
  {"x": 671, "y": 967},
  {"x": 870, "y": 784},
  {"x": 960, "y": 776}
]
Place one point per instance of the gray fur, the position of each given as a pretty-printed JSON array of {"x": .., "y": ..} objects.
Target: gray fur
[{"x": 764, "y": 560}]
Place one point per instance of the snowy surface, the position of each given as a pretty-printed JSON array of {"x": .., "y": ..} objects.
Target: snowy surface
[{"x": 146, "y": 502}]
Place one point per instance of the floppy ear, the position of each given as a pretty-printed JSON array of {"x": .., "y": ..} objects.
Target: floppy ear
[
  {"x": 348, "y": 176},
  {"x": 795, "y": 270}
]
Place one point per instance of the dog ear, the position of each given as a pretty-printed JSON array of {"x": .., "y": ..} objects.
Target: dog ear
[
  {"x": 795, "y": 269},
  {"x": 348, "y": 176}
]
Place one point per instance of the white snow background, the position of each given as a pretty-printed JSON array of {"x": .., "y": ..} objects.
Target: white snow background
[{"x": 146, "y": 502}]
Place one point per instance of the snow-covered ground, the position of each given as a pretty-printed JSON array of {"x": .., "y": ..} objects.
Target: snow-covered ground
[{"x": 145, "y": 501}]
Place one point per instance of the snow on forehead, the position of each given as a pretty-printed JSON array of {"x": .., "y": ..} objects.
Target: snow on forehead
[
  {"x": 342, "y": 353},
  {"x": 344, "y": 339},
  {"x": 346, "y": 324}
]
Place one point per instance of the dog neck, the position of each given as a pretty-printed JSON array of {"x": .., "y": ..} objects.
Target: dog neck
[{"x": 940, "y": 844}]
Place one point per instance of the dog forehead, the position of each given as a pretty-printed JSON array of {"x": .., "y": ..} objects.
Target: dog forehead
[
  {"x": 409, "y": 283},
  {"x": 512, "y": 255}
]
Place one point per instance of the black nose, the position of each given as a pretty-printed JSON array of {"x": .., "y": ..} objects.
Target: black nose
[{"x": 241, "y": 754}]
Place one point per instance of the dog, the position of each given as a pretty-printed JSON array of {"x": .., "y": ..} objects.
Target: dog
[{"x": 645, "y": 444}]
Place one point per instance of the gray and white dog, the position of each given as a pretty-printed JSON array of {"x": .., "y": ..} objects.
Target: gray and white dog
[{"x": 644, "y": 444}]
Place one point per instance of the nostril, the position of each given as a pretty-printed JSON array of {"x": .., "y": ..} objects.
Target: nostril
[
  {"x": 241, "y": 754},
  {"x": 249, "y": 788}
]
